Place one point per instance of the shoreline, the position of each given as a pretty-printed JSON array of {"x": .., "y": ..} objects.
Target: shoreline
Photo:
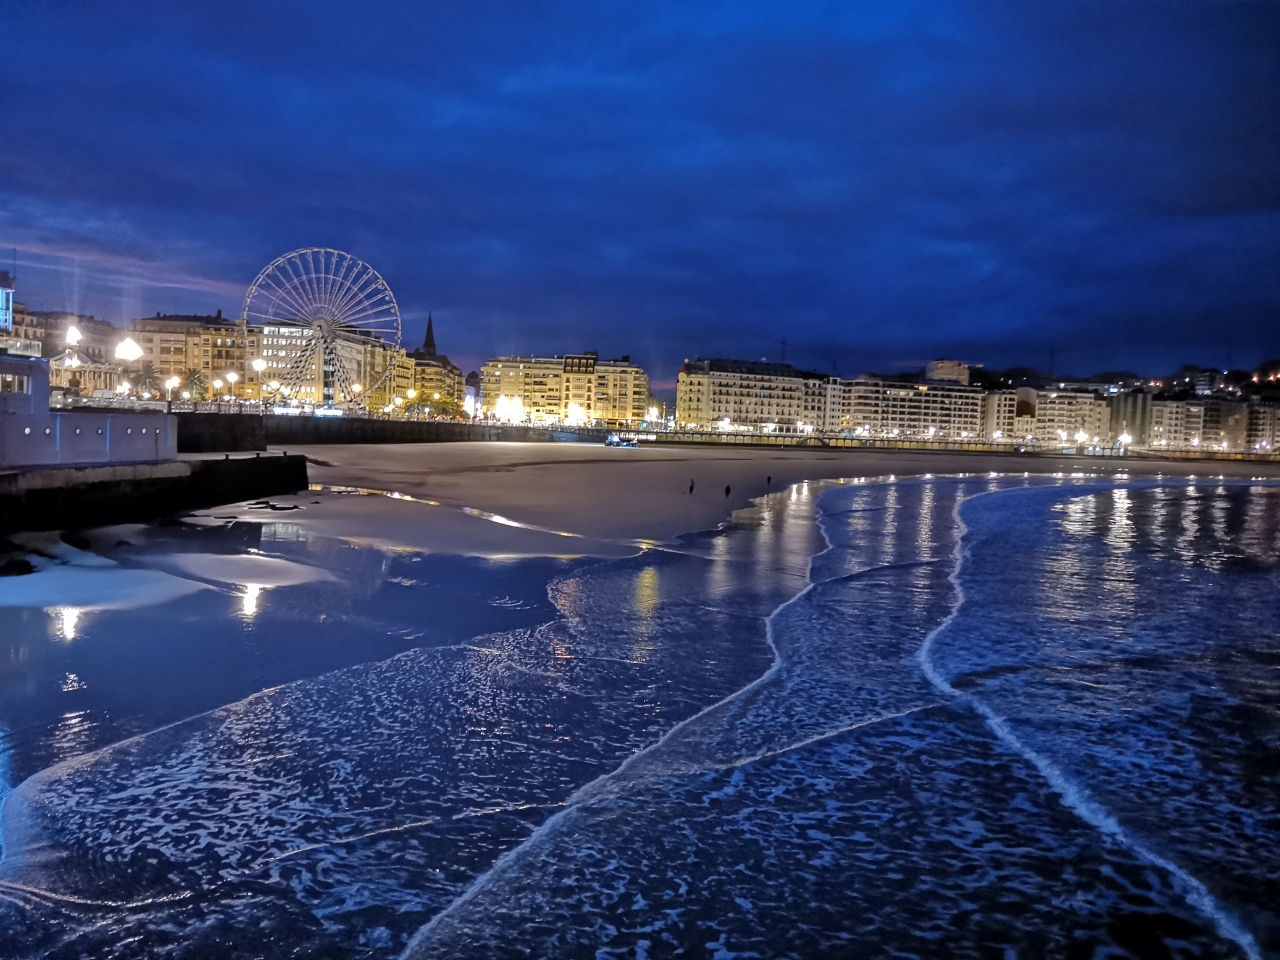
[{"x": 642, "y": 494}]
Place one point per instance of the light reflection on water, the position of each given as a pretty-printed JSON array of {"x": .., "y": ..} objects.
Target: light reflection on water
[{"x": 835, "y": 805}]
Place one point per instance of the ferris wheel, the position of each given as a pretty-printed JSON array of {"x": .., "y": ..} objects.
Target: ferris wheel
[{"x": 329, "y": 326}]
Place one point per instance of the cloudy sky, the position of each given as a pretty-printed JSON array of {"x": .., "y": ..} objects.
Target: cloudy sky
[{"x": 876, "y": 183}]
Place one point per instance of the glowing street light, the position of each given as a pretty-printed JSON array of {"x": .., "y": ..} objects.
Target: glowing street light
[
  {"x": 411, "y": 394},
  {"x": 170, "y": 385},
  {"x": 259, "y": 364},
  {"x": 128, "y": 350},
  {"x": 186, "y": 394},
  {"x": 1125, "y": 439},
  {"x": 122, "y": 386},
  {"x": 1081, "y": 436},
  {"x": 73, "y": 335}
]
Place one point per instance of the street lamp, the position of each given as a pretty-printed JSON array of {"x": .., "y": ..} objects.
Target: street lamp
[
  {"x": 73, "y": 335},
  {"x": 232, "y": 377},
  {"x": 171, "y": 384},
  {"x": 128, "y": 350},
  {"x": 1081, "y": 436},
  {"x": 259, "y": 364}
]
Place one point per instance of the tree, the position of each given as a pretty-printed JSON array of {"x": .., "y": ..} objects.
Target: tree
[
  {"x": 148, "y": 379},
  {"x": 444, "y": 407},
  {"x": 194, "y": 383}
]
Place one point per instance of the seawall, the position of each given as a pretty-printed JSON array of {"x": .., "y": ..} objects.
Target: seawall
[
  {"x": 218, "y": 432},
  {"x": 73, "y": 497}
]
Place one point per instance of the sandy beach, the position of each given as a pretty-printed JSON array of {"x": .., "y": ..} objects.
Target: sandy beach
[{"x": 628, "y": 494}]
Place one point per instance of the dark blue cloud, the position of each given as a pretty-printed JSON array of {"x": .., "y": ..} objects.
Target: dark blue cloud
[{"x": 876, "y": 183}]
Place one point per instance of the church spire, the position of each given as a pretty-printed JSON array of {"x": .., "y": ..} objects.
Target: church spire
[{"x": 429, "y": 344}]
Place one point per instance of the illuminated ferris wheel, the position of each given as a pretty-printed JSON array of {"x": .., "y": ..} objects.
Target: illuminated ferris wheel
[{"x": 329, "y": 326}]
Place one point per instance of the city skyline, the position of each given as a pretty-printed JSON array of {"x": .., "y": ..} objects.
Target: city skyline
[{"x": 877, "y": 188}]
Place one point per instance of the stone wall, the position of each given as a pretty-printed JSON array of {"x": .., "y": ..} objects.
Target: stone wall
[{"x": 71, "y": 498}]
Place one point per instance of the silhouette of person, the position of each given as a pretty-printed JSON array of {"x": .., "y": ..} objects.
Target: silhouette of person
[
  {"x": 691, "y": 486},
  {"x": 768, "y": 481},
  {"x": 726, "y": 490}
]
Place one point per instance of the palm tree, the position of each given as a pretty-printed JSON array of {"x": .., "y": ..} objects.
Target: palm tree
[
  {"x": 193, "y": 382},
  {"x": 148, "y": 379}
]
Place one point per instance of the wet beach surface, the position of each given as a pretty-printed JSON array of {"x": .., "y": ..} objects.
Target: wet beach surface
[{"x": 787, "y": 737}]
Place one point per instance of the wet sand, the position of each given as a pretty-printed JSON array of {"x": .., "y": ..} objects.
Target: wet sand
[{"x": 643, "y": 493}]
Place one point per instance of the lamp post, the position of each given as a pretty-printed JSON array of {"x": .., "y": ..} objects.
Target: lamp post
[
  {"x": 258, "y": 366},
  {"x": 232, "y": 377},
  {"x": 170, "y": 385}
]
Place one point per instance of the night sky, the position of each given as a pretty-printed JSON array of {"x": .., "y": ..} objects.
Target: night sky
[{"x": 879, "y": 183}]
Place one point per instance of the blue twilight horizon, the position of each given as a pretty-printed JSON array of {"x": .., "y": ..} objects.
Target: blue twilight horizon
[{"x": 878, "y": 184}]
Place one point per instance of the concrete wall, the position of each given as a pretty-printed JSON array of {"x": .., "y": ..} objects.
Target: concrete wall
[
  {"x": 33, "y": 436},
  {"x": 70, "y": 498},
  {"x": 283, "y": 430},
  {"x": 61, "y": 439},
  {"x": 220, "y": 432}
]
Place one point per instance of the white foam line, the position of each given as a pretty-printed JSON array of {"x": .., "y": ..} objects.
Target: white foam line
[
  {"x": 827, "y": 735},
  {"x": 49, "y": 895},
  {"x": 1073, "y": 795},
  {"x": 482, "y": 881}
]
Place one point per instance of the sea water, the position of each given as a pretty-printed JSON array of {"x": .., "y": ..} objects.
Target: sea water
[{"x": 928, "y": 717}]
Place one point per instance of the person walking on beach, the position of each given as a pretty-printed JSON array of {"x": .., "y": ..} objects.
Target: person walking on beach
[
  {"x": 768, "y": 481},
  {"x": 726, "y": 490},
  {"x": 691, "y": 486}
]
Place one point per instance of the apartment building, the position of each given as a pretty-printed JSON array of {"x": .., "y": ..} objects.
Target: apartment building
[
  {"x": 929, "y": 410},
  {"x": 1264, "y": 428},
  {"x": 211, "y": 345},
  {"x": 434, "y": 375},
  {"x": 953, "y": 370},
  {"x": 1176, "y": 424},
  {"x": 572, "y": 388},
  {"x": 752, "y": 396},
  {"x": 1130, "y": 415},
  {"x": 1000, "y": 421},
  {"x": 1063, "y": 416},
  {"x": 1226, "y": 426}
]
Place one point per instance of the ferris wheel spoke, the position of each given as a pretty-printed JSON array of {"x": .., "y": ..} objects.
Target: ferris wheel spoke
[
  {"x": 328, "y": 276},
  {"x": 313, "y": 277},
  {"x": 288, "y": 295},
  {"x": 374, "y": 306},
  {"x": 357, "y": 288},
  {"x": 346, "y": 272},
  {"x": 346, "y": 283},
  {"x": 296, "y": 370},
  {"x": 297, "y": 287},
  {"x": 342, "y": 375},
  {"x": 365, "y": 283}
]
